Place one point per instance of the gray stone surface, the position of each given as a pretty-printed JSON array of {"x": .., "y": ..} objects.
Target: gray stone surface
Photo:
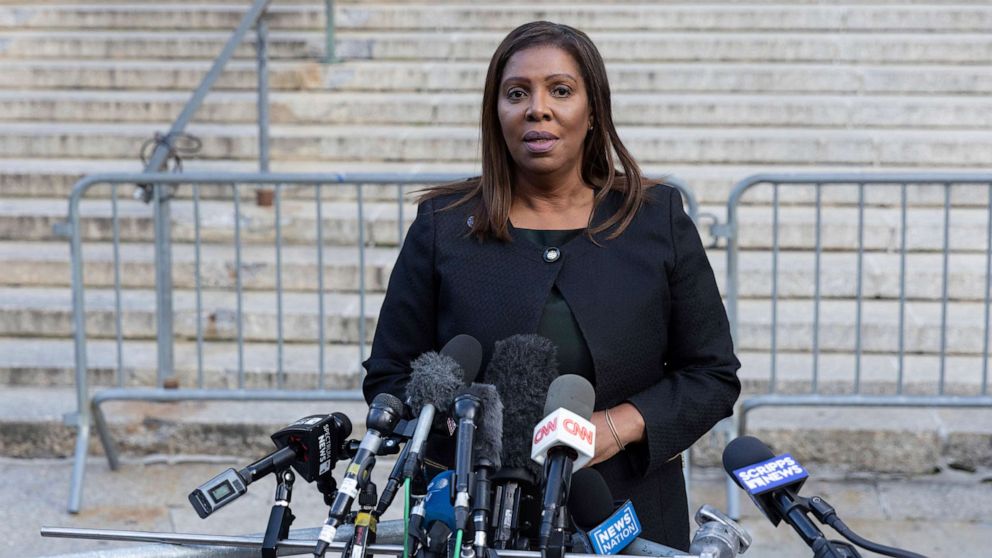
[
  {"x": 616, "y": 16},
  {"x": 635, "y": 46},
  {"x": 666, "y": 145},
  {"x": 47, "y": 264},
  {"x": 942, "y": 515},
  {"x": 699, "y": 77},
  {"x": 629, "y": 109}
]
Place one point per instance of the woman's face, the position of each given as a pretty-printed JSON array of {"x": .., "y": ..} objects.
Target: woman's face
[{"x": 544, "y": 111}]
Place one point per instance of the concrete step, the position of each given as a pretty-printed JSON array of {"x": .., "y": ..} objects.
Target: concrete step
[
  {"x": 164, "y": 45},
  {"x": 46, "y": 264},
  {"x": 882, "y": 229},
  {"x": 838, "y": 373},
  {"x": 629, "y": 109},
  {"x": 651, "y": 145},
  {"x": 50, "y": 362},
  {"x": 33, "y": 219},
  {"x": 170, "y": 428},
  {"x": 967, "y": 275},
  {"x": 858, "y": 440},
  {"x": 47, "y": 312},
  {"x": 711, "y": 184},
  {"x": 879, "y": 332},
  {"x": 421, "y": 3},
  {"x": 630, "y": 46},
  {"x": 395, "y": 76},
  {"x": 55, "y": 178},
  {"x": 483, "y": 16}
]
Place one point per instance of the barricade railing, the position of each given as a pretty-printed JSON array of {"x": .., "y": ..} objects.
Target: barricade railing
[
  {"x": 239, "y": 228},
  {"x": 862, "y": 289}
]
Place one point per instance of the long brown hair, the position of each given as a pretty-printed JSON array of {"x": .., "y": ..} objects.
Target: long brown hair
[{"x": 493, "y": 191}]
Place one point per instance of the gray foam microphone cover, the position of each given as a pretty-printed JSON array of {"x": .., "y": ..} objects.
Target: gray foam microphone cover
[
  {"x": 434, "y": 380},
  {"x": 571, "y": 392},
  {"x": 522, "y": 367}
]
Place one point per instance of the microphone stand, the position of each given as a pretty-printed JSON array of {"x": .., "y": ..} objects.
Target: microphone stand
[
  {"x": 281, "y": 517},
  {"x": 796, "y": 507},
  {"x": 558, "y": 539}
]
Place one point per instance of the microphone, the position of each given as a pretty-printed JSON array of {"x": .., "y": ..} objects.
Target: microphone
[
  {"x": 522, "y": 367},
  {"x": 610, "y": 531},
  {"x": 434, "y": 381},
  {"x": 563, "y": 439},
  {"x": 772, "y": 483},
  {"x": 466, "y": 408},
  {"x": 384, "y": 414},
  {"x": 311, "y": 445},
  {"x": 487, "y": 449},
  {"x": 477, "y": 407}
]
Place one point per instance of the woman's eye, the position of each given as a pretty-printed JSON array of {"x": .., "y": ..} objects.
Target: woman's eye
[
  {"x": 515, "y": 94},
  {"x": 561, "y": 91}
]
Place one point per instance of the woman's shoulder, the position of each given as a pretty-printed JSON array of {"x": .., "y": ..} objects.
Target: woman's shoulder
[
  {"x": 448, "y": 195},
  {"x": 659, "y": 191}
]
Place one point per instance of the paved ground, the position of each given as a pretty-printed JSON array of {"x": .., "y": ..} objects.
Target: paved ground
[{"x": 944, "y": 515}]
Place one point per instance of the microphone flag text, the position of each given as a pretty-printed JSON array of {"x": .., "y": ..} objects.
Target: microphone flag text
[{"x": 759, "y": 478}]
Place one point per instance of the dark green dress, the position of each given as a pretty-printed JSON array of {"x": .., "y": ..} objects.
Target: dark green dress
[{"x": 557, "y": 322}]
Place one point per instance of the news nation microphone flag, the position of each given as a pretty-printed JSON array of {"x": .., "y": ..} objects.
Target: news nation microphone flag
[{"x": 617, "y": 531}]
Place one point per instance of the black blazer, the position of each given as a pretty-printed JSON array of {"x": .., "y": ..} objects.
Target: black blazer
[{"x": 647, "y": 304}]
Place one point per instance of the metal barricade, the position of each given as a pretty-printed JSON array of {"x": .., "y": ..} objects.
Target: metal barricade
[
  {"x": 227, "y": 227},
  {"x": 832, "y": 299}
]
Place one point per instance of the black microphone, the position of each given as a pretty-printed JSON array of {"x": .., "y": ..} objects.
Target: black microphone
[
  {"x": 562, "y": 440},
  {"x": 522, "y": 367},
  {"x": 466, "y": 408},
  {"x": 384, "y": 414},
  {"x": 312, "y": 445},
  {"x": 592, "y": 508},
  {"x": 773, "y": 483},
  {"x": 781, "y": 502},
  {"x": 487, "y": 450},
  {"x": 434, "y": 381}
]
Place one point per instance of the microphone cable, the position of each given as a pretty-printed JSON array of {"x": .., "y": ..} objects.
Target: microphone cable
[
  {"x": 458, "y": 543},
  {"x": 826, "y": 514}
]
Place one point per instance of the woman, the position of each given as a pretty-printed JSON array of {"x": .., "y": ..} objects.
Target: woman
[{"x": 553, "y": 239}]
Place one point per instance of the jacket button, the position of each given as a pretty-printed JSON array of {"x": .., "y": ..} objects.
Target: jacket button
[{"x": 551, "y": 255}]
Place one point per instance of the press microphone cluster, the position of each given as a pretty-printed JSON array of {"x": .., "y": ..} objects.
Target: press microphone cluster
[{"x": 520, "y": 443}]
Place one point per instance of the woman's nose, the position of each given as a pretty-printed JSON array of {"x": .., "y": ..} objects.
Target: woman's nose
[{"x": 538, "y": 109}]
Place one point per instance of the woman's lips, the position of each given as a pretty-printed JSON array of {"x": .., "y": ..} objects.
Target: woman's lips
[{"x": 542, "y": 145}]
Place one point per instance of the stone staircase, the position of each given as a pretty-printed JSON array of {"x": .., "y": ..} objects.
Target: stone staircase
[{"x": 710, "y": 93}]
